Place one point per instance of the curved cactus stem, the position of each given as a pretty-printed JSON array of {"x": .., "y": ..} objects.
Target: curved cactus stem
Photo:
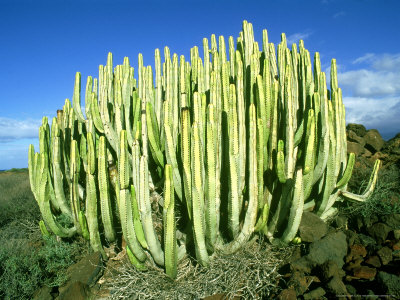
[
  {"x": 32, "y": 164},
  {"x": 251, "y": 213},
  {"x": 43, "y": 229},
  {"x": 76, "y": 99},
  {"x": 329, "y": 214},
  {"x": 145, "y": 213},
  {"x": 171, "y": 159},
  {"x": 280, "y": 162},
  {"x": 91, "y": 199},
  {"x": 198, "y": 196},
  {"x": 262, "y": 221},
  {"x": 234, "y": 191},
  {"x": 104, "y": 191},
  {"x": 58, "y": 176},
  {"x": 153, "y": 135},
  {"x": 186, "y": 161},
  {"x": 296, "y": 209},
  {"x": 347, "y": 173},
  {"x": 125, "y": 200},
  {"x": 136, "y": 220},
  {"x": 84, "y": 225},
  {"x": 170, "y": 246},
  {"x": 134, "y": 261},
  {"x": 370, "y": 188},
  {"x": 74, "y": 186},
  {"x": 95, "y": 112},
  {"x": 211, "y": 202},
  {"x": 44, "y": 202}
]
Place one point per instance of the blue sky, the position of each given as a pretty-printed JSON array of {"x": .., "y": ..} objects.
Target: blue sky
[{"x": 43, "y": 44}]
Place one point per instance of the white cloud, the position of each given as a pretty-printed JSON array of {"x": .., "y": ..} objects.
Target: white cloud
[
  {"x": 372, "y": 93},
  {"x": 12, "y": 129},
  {"x": 369, "y": 83},
  {"x": 379, "y": 77},
  {"x": 294, "y": 38}
]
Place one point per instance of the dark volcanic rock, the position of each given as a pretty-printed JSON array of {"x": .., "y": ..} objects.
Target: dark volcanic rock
[
  {"x": 337, "y": 287},
  {"x": 44, "y": 293},
  {"x": 385, "y": 254},
  {"x": 76, "y": 290},
  {"x": 312, "y": 228},
  {"x": 364, "y": 272},
  {"x": 358, "y": 129},
  {"x": 373, "y": 140},
  {"x": 287, "y": 294},
  {"x": 314, "y": 294},
  {"x": 330, "y": 269},
  {"x": 392, "y": 220},
  {"x": 331, "y": 247},
  {"x": 355, "y": 148},
  {"x": 379, "y": 231},
  {"x": 390, "y": 282}
]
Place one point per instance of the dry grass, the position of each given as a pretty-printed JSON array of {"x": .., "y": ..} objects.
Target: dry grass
[{"x": 251, "y": 273}]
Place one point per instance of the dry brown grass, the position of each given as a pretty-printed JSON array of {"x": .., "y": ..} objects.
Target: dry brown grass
[{"x": 251, "y": 273}]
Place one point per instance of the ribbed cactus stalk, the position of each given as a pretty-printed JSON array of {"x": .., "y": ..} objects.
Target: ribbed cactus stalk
[{"x": 225, "y": 146}]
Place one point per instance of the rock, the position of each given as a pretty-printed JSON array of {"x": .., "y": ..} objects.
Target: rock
[
  {"x": 356, "y": 251},
  {"x": 373, "y": 140},
  {"x": 299, "y": 283},
  {"x": 396, "y": 246},
  {"x": 396, "y": 234},
  {"x": 337, "y": 287},
  {"x": 353, "y": 137},
  {"x": 76, "y": 290},
  {"x": 351, "y": 289},
  {"x": 366, "y": 240},
  {"x": 311, "y": 227},
  {"x": 296, "y": 254},
  {"x": 373, "y": 261},
  {"x": 314, "y": 294},
  {"x": 352, "y": 237},
  {"x": 331, "y": 269},
  {"x": 354, "y": 264},
  {"x": 385, "y": 254},
  {"x": 364, "y": 272},
  {"x": 88, "y": 270},
  {"x": 392, "y": 220},
  {"x": 355, "y": 148},
  {"x": 390, "y": 283},
  {"x": 44, "y": 293},
  {"x": 331, "y": 247},
  {"x": 302, "y": 264},
  {"x": 370, "y": 220},
  {"x": 358, "y": 129},
  {"x": 341, "y": 222},
  {"x": 392, "y": 146},
  {"x": 287, "y": 294},
  {"x": 379, "y": 231}
]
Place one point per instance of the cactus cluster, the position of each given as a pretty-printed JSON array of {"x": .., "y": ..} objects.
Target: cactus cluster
[{"x": 197, "y": 156}]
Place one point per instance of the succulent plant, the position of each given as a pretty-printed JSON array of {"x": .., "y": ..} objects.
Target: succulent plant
[{"x": 224, "y": 148}]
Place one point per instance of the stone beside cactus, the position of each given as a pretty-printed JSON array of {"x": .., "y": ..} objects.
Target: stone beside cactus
[{"x": 224, "y": 148}]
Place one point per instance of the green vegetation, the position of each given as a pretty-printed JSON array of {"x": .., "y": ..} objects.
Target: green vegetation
[
  {"x": 27, "y": 261},
  {"x": 384, "y": 200},
  {"x": 242, "y": 145}
]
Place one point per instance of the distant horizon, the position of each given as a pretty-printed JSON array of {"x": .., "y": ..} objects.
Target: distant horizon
[{"x": 47, "y": 42}]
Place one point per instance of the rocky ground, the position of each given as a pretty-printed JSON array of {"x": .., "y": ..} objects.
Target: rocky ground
[{"x": 356, "y": 255}]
